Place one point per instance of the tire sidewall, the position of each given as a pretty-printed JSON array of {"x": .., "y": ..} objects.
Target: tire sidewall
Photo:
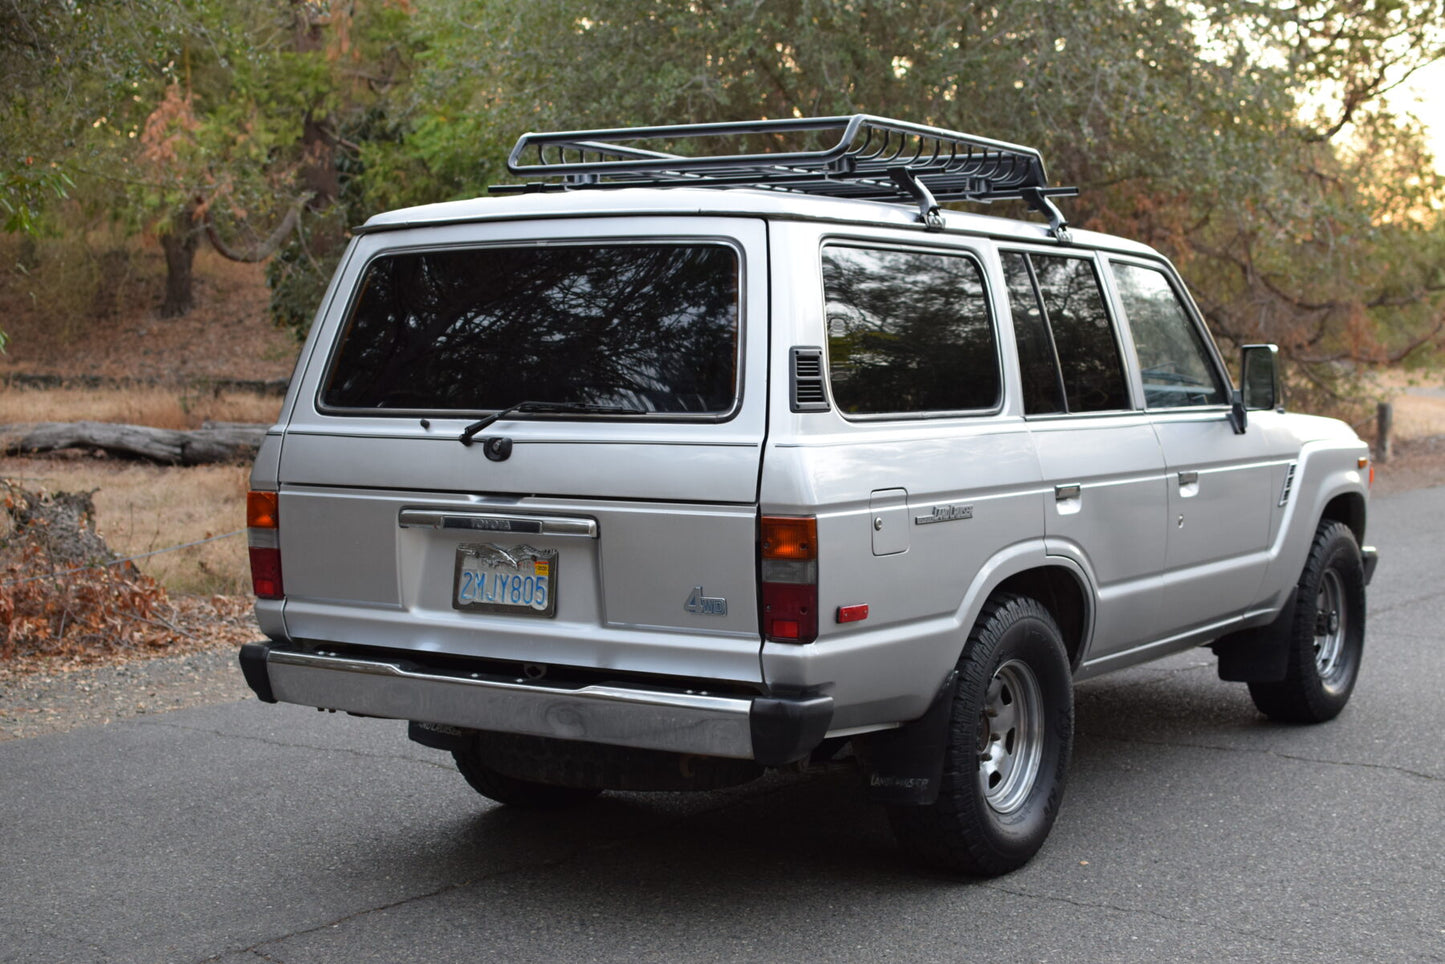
[
  {"x": 1337, "y": 551},
  {"x": 1031, "y": 637}
]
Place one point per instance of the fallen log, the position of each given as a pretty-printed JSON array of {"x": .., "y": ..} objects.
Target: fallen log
[{"x": 228, "y": 442}]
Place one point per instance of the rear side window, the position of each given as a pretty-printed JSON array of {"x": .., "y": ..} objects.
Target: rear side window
[
  {"x": 1059, "y": 309},
  {"x": 646, "y": 326},
  {"x": 909, "y": 332}
]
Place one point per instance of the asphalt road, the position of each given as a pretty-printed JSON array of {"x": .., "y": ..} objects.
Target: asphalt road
[{"x": 1192, "y": 830}]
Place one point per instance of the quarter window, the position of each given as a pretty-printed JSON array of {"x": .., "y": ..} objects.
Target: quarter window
[
  {"x": 909, "y": 332},
  {"x": 1173, "y": 357}
]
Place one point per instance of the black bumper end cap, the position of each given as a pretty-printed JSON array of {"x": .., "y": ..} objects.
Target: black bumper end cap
[
  {"x": 253, "y": 667},
  {"x": 785, "y": 730}
]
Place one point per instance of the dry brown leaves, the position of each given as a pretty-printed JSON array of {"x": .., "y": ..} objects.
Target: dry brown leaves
[{"x": 65, "y": 601}]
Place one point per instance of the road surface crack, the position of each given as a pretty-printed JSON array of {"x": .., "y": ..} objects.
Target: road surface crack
[
  {"x": 1213, "y": 925},
  {"x": 1298, "y": 758},
  {"x": 560, "y": 860},
  {"x": 266, "y": 741}
]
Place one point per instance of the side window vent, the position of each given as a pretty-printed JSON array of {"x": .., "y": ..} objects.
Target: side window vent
[{"x": 809, "y": 394}]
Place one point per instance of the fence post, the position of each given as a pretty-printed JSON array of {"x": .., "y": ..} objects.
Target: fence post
[{"x": 1384, "y": 416}]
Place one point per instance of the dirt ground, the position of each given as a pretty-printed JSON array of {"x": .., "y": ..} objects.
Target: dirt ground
[{"x": 227, "y": 335}]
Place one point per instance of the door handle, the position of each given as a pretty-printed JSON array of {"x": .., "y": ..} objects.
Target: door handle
[
  {"x": 1188, "y": 478},
  {"x": 1064, "y": 493}
]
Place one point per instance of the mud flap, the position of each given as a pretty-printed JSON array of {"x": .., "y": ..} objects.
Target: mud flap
[
  {"x": 904, "y": 767},
  {"x": 1259, "y": 655},
  {"x": 439, "y": 736}
]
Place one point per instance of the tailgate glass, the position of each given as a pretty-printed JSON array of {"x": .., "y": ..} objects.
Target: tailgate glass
[{"x": 648, "y": 326}]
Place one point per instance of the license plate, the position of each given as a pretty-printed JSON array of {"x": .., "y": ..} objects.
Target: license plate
[{"x": 494, "y": 578}]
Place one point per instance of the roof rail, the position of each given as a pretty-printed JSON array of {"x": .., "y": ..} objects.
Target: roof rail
[{"x": 875, "y": 158}]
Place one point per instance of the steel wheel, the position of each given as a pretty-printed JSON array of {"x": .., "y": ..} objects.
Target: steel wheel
[
  {"x": 1331, "y": 625},
  {"x": 1010, "y": 737}
]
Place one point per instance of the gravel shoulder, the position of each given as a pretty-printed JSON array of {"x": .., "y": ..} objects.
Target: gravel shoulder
[
  {"x": 36, "y": 703},
  {"x": 33, "y": 704}
]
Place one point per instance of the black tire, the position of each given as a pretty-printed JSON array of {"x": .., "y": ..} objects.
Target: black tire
[
  {"x": 1010, "y": 735},
  {"x": 525, "y": 794},
  {"x": 1327, "y": 634}
]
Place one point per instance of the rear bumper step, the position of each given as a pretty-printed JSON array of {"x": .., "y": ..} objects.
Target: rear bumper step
[{"x": 771, "y": 730}]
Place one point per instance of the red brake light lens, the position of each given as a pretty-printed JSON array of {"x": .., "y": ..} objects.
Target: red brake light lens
[{"x": 266, "y": 573}]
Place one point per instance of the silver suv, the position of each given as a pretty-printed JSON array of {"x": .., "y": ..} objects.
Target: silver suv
[{"x": 683, "y": 461}]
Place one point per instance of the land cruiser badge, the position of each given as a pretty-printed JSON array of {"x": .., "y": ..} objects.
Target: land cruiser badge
[
  {"x": 945, "y": 513},
  {"x": 700, "y": 605}
]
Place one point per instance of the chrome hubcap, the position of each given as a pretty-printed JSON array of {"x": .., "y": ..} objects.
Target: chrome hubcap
[
  {"x": 1010, "y": 737},
  {"x": 1330, "y": 622}
]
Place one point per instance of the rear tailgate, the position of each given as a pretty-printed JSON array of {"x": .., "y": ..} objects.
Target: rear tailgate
[{"x": 618, "y": 542}]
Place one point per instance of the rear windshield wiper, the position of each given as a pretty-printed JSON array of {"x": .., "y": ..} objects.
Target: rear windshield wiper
[{"x": 582, "y": 408}]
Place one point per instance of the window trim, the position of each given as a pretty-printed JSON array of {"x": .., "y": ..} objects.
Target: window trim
[
  {"x": 740, "y": 352},
  {"x": 1123, "y": 338},
  {"x": 1193, "y": 316},
  {"x": 878, "y": 244}
]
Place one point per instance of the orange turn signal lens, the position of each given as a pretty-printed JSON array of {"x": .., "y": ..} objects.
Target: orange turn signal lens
[
  {"x": 789, "y": 537},
  {"x": 261, "y": 510}
]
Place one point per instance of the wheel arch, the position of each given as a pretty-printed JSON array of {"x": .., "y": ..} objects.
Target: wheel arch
[
  {"x": 1063, "y": 584},
  {"x": 1349, "y": 508},
  {"x": 1060, "y": 590}
]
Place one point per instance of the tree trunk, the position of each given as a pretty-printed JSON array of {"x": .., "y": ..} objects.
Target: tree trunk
[
  {"x": 179, "y": 244},
  {"x": 219, "y": 442}
]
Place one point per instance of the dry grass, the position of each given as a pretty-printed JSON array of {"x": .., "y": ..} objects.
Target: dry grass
[
  {"x": 1419, "y": 416},
  {"x": 1419, "y": 401},
  {"x": 157, "y": 407},
  {"x": 141, "y": 508}
]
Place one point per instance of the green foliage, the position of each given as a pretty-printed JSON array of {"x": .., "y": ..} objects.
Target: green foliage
[{"x": 1248, "y": 139}]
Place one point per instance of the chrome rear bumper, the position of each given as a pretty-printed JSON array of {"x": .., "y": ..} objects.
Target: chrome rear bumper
[{"x": 771, "y": 730}]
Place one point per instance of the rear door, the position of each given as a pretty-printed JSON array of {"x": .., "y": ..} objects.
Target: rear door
[
  {"x": 619, "y": 535},
  {"x": 1101, "y": 462}
]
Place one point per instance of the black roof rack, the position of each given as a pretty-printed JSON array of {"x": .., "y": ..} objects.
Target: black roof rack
[{"x": 874, "y": 158}]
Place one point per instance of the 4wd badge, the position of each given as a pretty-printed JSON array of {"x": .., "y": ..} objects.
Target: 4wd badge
[{"x": 700, "y": 605}]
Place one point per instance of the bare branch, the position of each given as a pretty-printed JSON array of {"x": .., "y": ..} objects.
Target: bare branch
[{"x": 267, "y": 247}]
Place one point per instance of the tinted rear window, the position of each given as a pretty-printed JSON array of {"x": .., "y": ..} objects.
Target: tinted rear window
[{"x": 651, "y": 326}]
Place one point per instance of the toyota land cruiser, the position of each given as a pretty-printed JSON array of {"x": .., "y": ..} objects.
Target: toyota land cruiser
[{"x": 682, "y": 461}]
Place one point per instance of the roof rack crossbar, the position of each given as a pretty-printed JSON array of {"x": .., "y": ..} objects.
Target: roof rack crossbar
[{"x": 875, "y": 158}]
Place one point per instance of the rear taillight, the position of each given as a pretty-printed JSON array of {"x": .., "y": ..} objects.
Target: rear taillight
[
  {"x": 263, "y": 537},
  {"x": 788, "y": 553}
]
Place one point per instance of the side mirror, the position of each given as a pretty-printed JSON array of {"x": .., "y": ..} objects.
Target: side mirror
[{"x": 1259, "y": 377}]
